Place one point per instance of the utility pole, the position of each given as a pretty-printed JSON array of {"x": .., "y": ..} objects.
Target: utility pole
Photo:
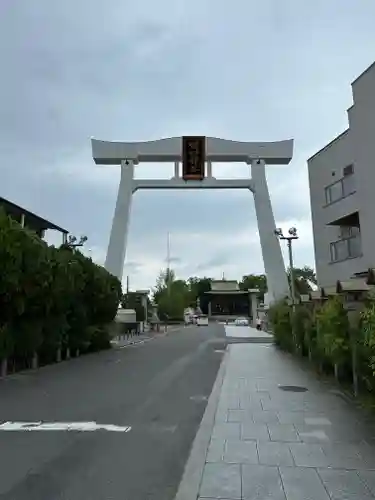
[
  {"x": 168, "y": 276},
  {"x": 291, "y": 270},
  {"x": 168, "y": 263}
]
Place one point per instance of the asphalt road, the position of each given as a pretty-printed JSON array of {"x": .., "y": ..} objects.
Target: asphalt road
[{"x": 158, "y": 388}]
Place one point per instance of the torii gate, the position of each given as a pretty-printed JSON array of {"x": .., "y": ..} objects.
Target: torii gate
[{"x": 196, "y": 153}]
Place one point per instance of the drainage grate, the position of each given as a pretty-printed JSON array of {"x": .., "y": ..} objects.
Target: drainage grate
[{"x": 292, "y": 388}]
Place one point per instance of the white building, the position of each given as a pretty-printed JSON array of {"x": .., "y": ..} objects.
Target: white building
[{"x": 342, "y": 191}]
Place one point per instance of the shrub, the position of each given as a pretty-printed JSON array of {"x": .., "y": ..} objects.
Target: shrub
[
  {"x": 300, "y": 317},
  {"x": 326, "y": 335},
  {"x": 280, "y": 320},
  {"x": 333, "y": 332},
  {"x": 50, "y": 298},
  {"x": 367, "y": 333}
]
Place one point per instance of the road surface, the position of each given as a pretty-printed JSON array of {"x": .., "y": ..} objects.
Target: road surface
[{"x": 158, "y": 389}]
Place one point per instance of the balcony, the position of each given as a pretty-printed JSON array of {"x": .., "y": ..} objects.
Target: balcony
[
  {"x": 346, "y": 248},
  {"x": 340, "y": 189}
]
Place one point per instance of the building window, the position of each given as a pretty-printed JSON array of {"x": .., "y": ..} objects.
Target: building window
[
  {"x": 348, "y": 170},
  {"x": 348, "y": 186},
  {"x": 334, "y": 192},
  {"x": 348, "y": 231},
  {"x": 341, "y": 188},
  {"x": 347, "y": 248}
]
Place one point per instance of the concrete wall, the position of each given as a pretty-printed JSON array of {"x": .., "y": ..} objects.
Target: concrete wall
[
  {"x": 355, "y": 146},
  {"x": 362, "y": 124}
]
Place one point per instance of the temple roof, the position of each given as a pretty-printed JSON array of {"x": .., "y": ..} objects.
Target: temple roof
[{"x": 224, "y": 286}]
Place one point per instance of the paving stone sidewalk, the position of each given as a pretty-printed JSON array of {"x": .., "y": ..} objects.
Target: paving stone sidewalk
[{"x": 272, "y": 444}]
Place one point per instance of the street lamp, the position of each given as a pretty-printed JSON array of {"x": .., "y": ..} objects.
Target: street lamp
[
  {"x": 292, "y": 235},
  {"x": 73, "y": 243}
]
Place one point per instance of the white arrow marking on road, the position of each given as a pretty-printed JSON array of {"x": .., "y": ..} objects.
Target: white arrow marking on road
[{"x": 61, "y": 426}]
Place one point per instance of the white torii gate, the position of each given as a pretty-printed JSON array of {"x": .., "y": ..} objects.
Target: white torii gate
[{"x": 257, "y": 154}]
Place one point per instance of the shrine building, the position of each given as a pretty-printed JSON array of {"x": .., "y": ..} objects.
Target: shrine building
[{"x": 227, "y": 301}]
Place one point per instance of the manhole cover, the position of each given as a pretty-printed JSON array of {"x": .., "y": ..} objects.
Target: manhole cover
[{"x": 292, "y": 388}]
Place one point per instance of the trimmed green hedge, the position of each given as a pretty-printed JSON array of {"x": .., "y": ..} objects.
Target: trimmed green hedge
[
  {"x": 53, "y": 301},
  {"x": 336, "y": 340}
]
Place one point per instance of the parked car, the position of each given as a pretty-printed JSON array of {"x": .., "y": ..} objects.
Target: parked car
[{"x": 241, "y": 322}]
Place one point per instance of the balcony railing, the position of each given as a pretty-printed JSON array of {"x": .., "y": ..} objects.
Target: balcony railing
[
  {"x": 340, "y": 189},
  {"x": 348, "y": 248}
]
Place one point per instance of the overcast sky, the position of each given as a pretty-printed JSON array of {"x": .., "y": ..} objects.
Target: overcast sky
[{"x": 141, "y": 70}]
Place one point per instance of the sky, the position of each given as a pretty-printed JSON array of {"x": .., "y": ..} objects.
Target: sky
[{"x": 134, "y": 71}]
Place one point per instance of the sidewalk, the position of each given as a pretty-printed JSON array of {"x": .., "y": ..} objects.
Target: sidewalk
[
  {"x": 265, "y": 443},
  {"x": 249, "y": 333}
]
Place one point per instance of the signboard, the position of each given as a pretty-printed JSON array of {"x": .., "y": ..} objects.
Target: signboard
[{"x": 193, "y": 158}]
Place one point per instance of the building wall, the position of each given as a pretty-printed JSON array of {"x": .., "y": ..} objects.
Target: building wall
[
  {"x": 362, "y": 124},
  {"x": 356, "y": 147}
]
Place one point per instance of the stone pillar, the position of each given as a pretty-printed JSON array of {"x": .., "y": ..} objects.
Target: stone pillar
[
  {"x": 114, "y": 262},
  {"x": 254, "y": 307},
  {"x": 145, "y": 305},
  {"x": 176, "y": 169},
  {"x": 209, "y": 169},
  {"x": 272, "y": 256}
]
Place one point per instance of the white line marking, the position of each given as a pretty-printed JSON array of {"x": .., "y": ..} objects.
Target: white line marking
[
  {"x": 199, "y": 398},
  {"x": 135, "y": 344},
  {"x": 61, "y": 426}
]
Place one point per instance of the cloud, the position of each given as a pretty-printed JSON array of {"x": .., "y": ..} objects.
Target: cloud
[{"x": 123, "y": 70}]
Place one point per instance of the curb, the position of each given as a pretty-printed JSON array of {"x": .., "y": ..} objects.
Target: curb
[
  {"x": 147, "y": 339},
  {"x": 132, "y": 344},
  {"x": 192, "y": 476}
]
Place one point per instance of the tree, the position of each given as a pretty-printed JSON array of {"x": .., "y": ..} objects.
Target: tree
[
  {"x": 308, "y": 273},
  {"x": 253, "y": 281},
  {"x": 171, "y": 307},
  {"x": 165, "y": 278},
  {"x": 198, "y": 286},
  {"x": 303, "y": 278},
  {"x": 171, "y": 295},
  {"x": 197, "y": 290}
]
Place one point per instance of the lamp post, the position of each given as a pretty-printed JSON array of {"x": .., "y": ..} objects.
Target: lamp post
[
  {"x": 169, "y": 265},
  {"x": 73, "y": 243},
  {"x": 292, "y": 235}
]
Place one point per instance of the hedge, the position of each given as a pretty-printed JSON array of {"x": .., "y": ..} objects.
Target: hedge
[
  {"x": 53, "y": 301},
  {"x": 334, "y": 339}
]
